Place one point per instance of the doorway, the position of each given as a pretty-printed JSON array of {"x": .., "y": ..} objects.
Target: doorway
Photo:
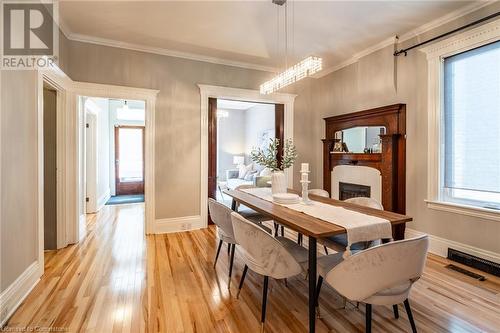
[
  {"x": 129, "y": 160},
  {"x": 49, "y": 167},
  {"x": 234, "y": 129},
  {"x": 114, "y": 152}
]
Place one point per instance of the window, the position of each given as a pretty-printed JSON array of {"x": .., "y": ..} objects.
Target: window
[{"x": 470, "y": 130}]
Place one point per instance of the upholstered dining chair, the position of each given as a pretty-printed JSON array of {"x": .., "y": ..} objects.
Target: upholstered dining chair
[
  {"x": 339, "y": 242},
  {"x": 250, "y": 214},
  {"x": 221, "y": 216},
  {"x": 380, "y": 275},
  {"x": 278, "y": 258}
]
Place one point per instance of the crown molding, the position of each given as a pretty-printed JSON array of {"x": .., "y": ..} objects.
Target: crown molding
[
  {"x": 408, "y": 35},
  {"x": 220, "y": 61},
  {"x": 166, "y": 52}
]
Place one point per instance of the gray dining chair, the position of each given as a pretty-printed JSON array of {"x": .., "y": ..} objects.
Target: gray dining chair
[
  {"x": 278, "y": 258},
  {"x": 380, "y": 275},
  {"x": 339, "y": 242}
]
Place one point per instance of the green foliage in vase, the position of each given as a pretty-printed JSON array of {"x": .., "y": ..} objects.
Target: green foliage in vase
[{"x": 267, "y": 156}]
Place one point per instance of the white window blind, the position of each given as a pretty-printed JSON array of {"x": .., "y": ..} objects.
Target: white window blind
[{"x": 471, "y": 159}]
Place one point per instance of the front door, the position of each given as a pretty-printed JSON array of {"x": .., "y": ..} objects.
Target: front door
[{"x": 129, "y": 163}]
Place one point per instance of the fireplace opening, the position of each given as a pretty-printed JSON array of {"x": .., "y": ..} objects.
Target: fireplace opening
[{"x": 348, "y": 190}]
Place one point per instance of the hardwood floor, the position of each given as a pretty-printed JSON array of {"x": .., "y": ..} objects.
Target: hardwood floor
[{"x": 100, "y": 286}]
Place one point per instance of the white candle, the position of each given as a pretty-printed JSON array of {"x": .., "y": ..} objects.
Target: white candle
[
  {"x": 304, "y": 177},
  {"x": 304, "y": 167}
]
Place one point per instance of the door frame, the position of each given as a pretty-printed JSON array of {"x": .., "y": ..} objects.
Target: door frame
[
  {"x": 245, "y": 95},
  {"x": 117, "y": 154},
  {"x": 119, "y": 92}
]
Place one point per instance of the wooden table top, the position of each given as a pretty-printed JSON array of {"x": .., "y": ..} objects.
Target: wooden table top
[{"x": 307, "y": 224}]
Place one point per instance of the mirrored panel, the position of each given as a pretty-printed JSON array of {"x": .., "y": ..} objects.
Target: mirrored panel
[{"x": 363, "y": 139}]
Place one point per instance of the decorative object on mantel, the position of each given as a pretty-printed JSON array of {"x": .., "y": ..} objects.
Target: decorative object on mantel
[
  {"x": 305, "y": 68},
  {"x": 267, "y": 157},
  {"x": 304, "y": 180}
]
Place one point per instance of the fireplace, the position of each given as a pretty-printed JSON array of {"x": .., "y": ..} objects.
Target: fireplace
[
  {"x": 387, "y": 157},
  {"x": 349, "y": 190}
]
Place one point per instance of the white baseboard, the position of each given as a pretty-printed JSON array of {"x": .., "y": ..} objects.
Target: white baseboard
[
  {"x": 103, "y": 199},
  {"x": 178, "y": 224},
  {"x": 439, "y": 246},
  {"x": 12, "y": 297}
]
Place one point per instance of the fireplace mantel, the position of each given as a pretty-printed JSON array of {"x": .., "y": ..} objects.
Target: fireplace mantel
[{"x": 391, "y": 162}]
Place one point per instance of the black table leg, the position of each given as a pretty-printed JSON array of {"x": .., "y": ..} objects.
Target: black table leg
[
  {"x": 312, "y": 284},
  {"x": 233, "y": 205}
]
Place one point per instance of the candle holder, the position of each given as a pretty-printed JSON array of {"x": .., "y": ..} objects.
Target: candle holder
[{"x": 305, "y": 188}]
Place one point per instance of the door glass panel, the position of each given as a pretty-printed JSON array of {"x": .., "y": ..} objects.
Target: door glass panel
[{"x": 131, "y": 154}]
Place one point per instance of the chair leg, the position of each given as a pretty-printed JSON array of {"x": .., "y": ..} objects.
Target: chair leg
[
  {"x": 282, "y": 231},
  {"x": 396, "y": 311},
  {"x": 264, "y": 302},
  {"x": 231, "y": 265},
  {"x": 299, "y": 239},
  {"x": 218, "y": 251},
  {"x": 276, "y": 227},
  {"x": 368, "y": 324},
  {"x": 326, "y": 249},
  {"x": 228, "y": 249},
  {"x": 410, "y": 316},
  {"x": 242, "y": 280},
  {"x": 318, "y": 289}
]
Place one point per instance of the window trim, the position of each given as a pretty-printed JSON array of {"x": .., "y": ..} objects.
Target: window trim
[{"x": 470, "y": 39}]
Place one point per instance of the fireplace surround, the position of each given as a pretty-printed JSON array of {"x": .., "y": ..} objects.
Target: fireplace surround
[{"x": 390, "y": 161}]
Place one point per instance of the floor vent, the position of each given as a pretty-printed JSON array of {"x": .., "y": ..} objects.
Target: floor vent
[{"x": 474, "y": 262}]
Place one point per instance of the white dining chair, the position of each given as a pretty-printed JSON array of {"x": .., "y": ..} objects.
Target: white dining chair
[
  {"x": 251, "y": 214},
  {"x": 339, "y": 242},
  {"x": 221, "y": 216},
  {"x": 380, "y": 275},
  {"x": 319, "y": 192},
  {"x": 278, "y": 258}
]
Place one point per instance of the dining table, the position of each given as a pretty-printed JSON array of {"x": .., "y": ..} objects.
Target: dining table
[{"x": 312, "y": 227}]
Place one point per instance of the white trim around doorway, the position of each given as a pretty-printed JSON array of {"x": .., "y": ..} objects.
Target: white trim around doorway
[
  {"x": 245, "y": 95},
  {"x": 149, "y": 96}
]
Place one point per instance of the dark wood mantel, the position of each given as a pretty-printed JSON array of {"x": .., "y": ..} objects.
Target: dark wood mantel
[{"x": 391, "y": 162}]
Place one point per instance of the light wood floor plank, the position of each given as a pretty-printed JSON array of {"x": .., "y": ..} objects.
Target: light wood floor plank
[{"x": 117, "y": 280}]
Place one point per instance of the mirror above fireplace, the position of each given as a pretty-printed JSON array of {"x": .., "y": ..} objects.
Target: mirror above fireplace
[{"x": 360, "y": 139}]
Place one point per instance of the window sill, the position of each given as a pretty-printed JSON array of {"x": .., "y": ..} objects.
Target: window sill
[{"x": 484, "y": 213}]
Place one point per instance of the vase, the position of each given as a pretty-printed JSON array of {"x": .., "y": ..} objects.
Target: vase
[{"x": 278, "y": 182}]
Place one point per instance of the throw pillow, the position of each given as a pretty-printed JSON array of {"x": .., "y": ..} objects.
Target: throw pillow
[
  {"x": 251, "y": 175},
  {"x": 243, "y": 170}
]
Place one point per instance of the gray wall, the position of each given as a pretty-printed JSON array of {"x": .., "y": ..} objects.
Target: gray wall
[
  {"x": 49, "y": 169},
  {"x": 377, "y": 80},
  {"x": 177, "y": 110},
  {"x": 19, "y": 198},
  {"x": 230, "y": 140}
]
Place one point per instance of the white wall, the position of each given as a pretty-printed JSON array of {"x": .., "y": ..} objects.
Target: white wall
[
  {"x": 230, "y": 140},
  {"x": 258, "y": 119},
  {"x": 100, "y": 107},
  {"x": 113, "y": 121}
]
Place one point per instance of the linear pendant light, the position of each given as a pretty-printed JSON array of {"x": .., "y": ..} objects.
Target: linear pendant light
[{"x": 303, "y": 69}]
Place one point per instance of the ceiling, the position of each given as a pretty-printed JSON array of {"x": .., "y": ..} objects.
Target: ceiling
[{"x": 244, "y": 33}]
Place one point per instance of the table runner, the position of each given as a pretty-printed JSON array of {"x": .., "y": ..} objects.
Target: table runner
[{"x": 360, "y": 227}]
